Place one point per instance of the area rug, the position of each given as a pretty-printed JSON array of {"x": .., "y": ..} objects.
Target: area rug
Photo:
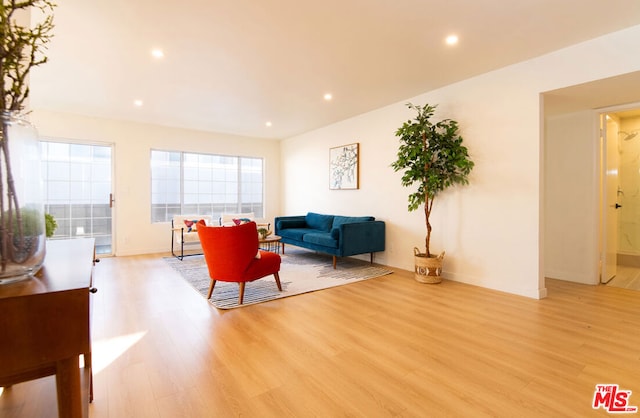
[{"x": 301, "y": 271}]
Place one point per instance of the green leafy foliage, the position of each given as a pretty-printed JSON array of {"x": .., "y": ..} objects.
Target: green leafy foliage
[
  {"x": 432, "y": 156},
  {"x": 50, "y": 224},
  {"x": 26, "y": 222}
]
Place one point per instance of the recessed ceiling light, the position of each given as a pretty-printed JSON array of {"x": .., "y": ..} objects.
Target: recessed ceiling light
[
  {"x": 157, "y": 53},
  {"x": 328, "y": 96},
  {"x": 268, "y": 124},
  {"x": 452, "y": 40},
  {"x": 138, "y": 103}
]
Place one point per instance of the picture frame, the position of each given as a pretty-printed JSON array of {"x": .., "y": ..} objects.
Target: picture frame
[{"x": 344, "y": 167}]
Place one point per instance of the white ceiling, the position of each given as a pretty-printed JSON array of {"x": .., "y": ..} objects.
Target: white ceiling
[{"x": 232, "y": 65}]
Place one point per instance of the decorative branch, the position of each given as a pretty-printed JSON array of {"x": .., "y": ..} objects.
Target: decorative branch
[{"x": 21, "y": 49}]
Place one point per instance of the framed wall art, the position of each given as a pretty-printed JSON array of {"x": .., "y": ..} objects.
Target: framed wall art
[{"x": 344, "y": 167}]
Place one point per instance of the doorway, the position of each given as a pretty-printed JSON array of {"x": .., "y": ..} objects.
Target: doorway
[
  {"x": 621, "y": 199},
  {"x": 572, "y": 166},
  {"x": 78, "y": 191}
]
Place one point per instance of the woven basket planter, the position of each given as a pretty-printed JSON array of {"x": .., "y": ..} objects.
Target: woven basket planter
[{"x": 427, "y": 269}]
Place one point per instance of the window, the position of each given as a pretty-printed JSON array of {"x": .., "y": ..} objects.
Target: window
[{"x": 204, "y": 184}]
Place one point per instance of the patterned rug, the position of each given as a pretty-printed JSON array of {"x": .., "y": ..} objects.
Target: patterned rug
[{"x": 301, "y": 271}]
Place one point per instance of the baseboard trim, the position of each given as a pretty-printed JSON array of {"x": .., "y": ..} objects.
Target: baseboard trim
[{"x": 631, "y": 260}]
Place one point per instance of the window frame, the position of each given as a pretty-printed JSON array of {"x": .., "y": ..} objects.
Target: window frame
[{"x": 217, "y": 166}]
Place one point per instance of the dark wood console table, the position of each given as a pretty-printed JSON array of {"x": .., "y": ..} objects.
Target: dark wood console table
[{"x": 44, "y": 325}]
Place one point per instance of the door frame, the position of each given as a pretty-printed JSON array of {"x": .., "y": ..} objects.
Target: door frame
[
  {"x": 600, "y": 169},
  {"x": 607, "y": 219},
  {"x": 111, "y": 145}
]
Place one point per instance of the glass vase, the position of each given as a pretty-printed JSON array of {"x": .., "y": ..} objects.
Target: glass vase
[{"x": 22, "y": 223}]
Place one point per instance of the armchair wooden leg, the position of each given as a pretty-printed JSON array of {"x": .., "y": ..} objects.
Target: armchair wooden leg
[
  {"x": 241, "y": 292},
  {"x": 277, "y": 276},
  {"x": 211, "y": 285},
  {"x": 335, "y": 260}
]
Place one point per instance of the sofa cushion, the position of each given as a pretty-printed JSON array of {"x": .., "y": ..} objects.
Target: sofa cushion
[
  {"x": 188, "y": 237},
  {"x": 320, "y": 222},
  {"x": 291, "y": 223},
  {"x": 181, "y": 227},
  {"x": 339, "y": 220},
  {"x": 294, "y": 233},
  {"x": 320, "y": 238}
]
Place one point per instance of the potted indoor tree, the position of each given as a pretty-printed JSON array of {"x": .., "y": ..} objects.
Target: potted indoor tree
[
  {"x": 432, "y": 156},
  {"x": 22, "y": 221}
]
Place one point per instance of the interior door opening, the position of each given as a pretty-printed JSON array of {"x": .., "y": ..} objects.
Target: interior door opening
[{"x": 621, "y": 199}]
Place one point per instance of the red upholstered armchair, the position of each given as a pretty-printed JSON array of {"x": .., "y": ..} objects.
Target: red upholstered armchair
[{"x": 230, "y": 253}]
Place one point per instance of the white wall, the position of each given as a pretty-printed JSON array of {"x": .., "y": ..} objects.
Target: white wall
[
  {"x": 135, "y": 234},
  {"x": 492, "y": 229},
  {"x": 572, "y": 187}
]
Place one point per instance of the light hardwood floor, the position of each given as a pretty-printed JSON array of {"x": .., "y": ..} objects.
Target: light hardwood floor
[
  {"x": 626, "y": 277},
  {"x": 386, "y": 347}
]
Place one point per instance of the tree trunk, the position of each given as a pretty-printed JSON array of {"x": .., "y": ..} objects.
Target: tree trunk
[{"x": 427, "y": 212}]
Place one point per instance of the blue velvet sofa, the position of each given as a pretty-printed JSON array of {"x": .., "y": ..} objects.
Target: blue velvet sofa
[{"x": 340, "y": 236}]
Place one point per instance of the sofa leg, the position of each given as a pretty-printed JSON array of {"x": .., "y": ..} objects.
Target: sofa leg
[
  {"x": 371, "y": 258},
  {"x": 335, "y": 260}
]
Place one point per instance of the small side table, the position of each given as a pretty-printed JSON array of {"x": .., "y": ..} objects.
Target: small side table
[{"x": 270, "y": 243}]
